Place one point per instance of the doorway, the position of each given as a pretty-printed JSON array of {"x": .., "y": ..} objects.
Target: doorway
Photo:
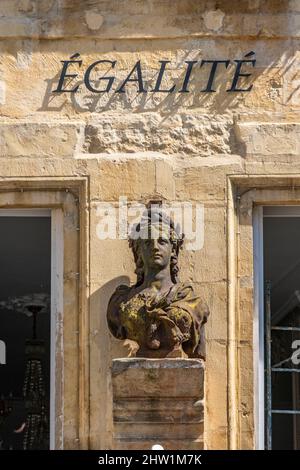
[{"x": 25, "y": 328}]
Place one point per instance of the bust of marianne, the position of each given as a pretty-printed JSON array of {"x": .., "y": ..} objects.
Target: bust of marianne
[{"x": 162, "y": 315}]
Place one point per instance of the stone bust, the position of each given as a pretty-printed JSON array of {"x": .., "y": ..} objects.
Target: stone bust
[{"x": 163, "y": 316}]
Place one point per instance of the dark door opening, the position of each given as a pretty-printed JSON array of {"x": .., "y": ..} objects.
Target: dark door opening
[
  {"x": 281, "y": 233},
  {"x": 25, "y": 273}
]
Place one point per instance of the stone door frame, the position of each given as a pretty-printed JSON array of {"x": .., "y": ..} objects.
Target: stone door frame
[{"x": 67, "y": 200}]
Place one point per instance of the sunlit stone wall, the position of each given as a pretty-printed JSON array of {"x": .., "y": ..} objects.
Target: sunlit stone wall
[{"x": 168, "y": 146}]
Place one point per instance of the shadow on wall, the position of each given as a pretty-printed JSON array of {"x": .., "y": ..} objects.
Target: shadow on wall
[
  {"x": 192, "y": 122},
  {"x": 98, "y": 303},
  {"x": 103, "y": 347},
  {"x": 176, "y": 94},
  {"x": 189, "y": 122},
  {"x": 164, "y": 88}
]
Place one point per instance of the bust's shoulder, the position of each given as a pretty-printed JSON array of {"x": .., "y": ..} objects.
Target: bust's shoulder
[
  {"x": 121, "y": 292},
  {"x": 123, "y": 288},
  {"x": 183, "y": 292},
  {"x": 125, "y": 294}
]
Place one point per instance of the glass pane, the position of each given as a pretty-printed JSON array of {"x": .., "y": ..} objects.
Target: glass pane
[
  {"x": 282, "y": 270},
  {"x": 282, "y": 436},
  {"x": 286, "y": 348},
  {"x": 25, "y": 267}
]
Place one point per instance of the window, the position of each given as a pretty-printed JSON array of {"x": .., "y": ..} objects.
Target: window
[
  {"x": 63, "y": 199},
  {"x": 280, "y": 325},
  {"x": 25, "y": 326}
]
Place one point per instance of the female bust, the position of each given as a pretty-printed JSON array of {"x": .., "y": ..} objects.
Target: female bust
[{"x": 162, "y": 315}]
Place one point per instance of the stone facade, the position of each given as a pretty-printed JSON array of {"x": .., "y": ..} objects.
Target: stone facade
[{"x": 198, "y": 147}]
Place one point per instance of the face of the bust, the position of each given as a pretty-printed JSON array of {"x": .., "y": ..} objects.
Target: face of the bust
[{"x": 156, "y": 251}]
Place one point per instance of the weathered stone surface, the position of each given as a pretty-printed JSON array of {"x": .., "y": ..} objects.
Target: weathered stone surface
[
  {"x": 56, "y": 18},
  {"x": 269, "y": 138},
  {"x": 274, "y": 89},
  {"x": 172, "y": 410},
  {"x": 165, "y": 184},
  {"x": 158, "y": 377},
  {"x": 38, "y": 139},
  {"x": 152, "y": 146},
  {"x": 164, "y": 406},
  {"x": 167, "y": 444},
  {"x": 126, "y": 177},
  {"x": 2, "y": 92},
  {"x": 205, "y": 181},
  {"x": 216, "y": 422},
  {"x": 182, "y": 133},
  {"x": 204, "y": 256}
]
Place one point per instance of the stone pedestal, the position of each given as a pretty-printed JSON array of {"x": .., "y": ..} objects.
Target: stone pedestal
[{"x": 158, "y": 401}]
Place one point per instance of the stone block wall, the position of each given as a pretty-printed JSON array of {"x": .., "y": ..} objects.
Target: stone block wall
[{"x": 174, "y": 147}]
